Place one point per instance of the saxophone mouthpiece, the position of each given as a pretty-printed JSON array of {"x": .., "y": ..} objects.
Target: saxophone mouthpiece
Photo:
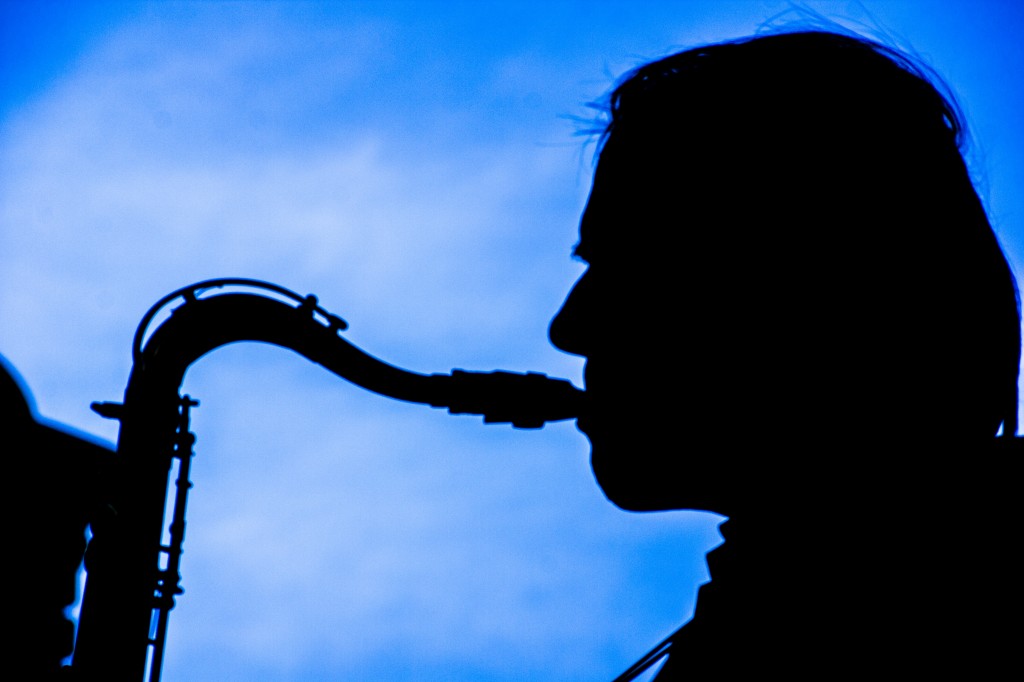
[{"x": 526, "y": 401}]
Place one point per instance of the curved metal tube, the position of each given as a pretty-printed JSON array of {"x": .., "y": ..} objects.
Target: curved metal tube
[{"x": 125, "y": 579}]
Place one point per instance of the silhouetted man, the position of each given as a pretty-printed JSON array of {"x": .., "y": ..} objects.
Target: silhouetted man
[{"x": 796, "y": 314}]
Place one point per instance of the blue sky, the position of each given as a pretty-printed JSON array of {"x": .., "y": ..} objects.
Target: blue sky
[{"x": 417, "y": 165}]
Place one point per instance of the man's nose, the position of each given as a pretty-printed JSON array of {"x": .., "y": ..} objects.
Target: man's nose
[{"x": 570, "y": 329}]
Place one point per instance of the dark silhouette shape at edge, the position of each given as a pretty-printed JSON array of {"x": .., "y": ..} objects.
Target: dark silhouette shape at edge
[{"x": 56, "y": 489}]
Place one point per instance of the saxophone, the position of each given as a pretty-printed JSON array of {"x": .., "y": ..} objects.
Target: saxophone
[{"x": 133, "y": 579}]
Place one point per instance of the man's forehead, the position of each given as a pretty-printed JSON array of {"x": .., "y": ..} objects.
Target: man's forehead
[{"x": 626, "y": 200}]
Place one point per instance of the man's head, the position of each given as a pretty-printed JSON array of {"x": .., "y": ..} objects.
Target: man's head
[{"x": 783, "y": 242}]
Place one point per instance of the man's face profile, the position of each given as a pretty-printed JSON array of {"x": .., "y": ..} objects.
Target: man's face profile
[
  {"x": 603, "y": 300},
  {"x": 633, "y": 317}
]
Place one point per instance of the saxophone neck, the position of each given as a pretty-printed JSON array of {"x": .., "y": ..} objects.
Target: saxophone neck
[{"x": 527, "y": 401}]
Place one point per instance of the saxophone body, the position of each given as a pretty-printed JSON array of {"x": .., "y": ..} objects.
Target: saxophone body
[{"x": 132, "y": 577}]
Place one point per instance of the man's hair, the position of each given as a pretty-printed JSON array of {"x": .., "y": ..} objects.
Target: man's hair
[{"x": 822, "y": 175}]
